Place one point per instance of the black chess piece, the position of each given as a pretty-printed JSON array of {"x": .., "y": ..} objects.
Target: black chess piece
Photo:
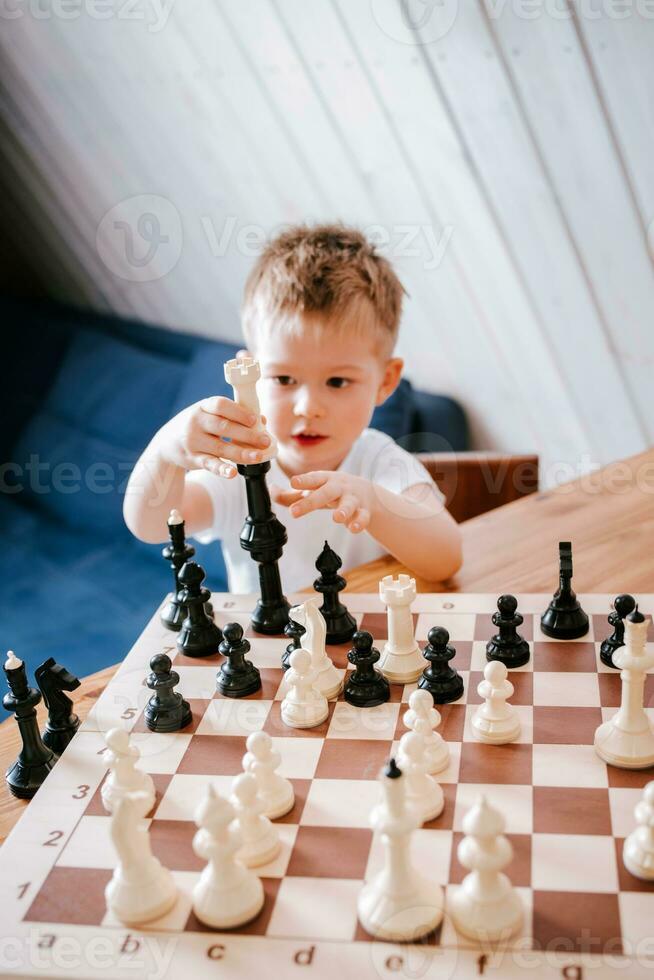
[
  {"x": 166, "y": 711},
  {"x": 507, "y": 645},
  {"x": 35, "y": 759},
  {"x": 365, "y": 686},
  {"x": 237, "y": 677},
  {"x": 564, "y": 619},
  {"x": 199, "y": 635},
  {"x": 176, "y": 553},
  {"x": 341, "y": 625},
  {"x": 294, "y": 631},
  {"x": 263, "y": 535},
  {"x": 62, "y": 723},
  {"x": 623, "y": 606},
  {"x": 443, "y": 682}
]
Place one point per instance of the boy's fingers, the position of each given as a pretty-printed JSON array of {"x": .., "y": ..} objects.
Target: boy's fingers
[
  {"x": 360, "y": 520},
  {"x": 346, "y": 508},
  {"x": 224, "y": 428},
  {"x": 243, "y": 353},
  {"x": 225, "y": 407},
  {"x": 310, "y": 481},
  {"x": 284, "y": 497},
  {"x": 208, "y": 445},
  {"x": 218, "y": 466},
  {"x": 314, "y": 501}
]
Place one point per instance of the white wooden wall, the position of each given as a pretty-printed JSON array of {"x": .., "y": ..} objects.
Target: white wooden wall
[{"x": 501, "y": 150}]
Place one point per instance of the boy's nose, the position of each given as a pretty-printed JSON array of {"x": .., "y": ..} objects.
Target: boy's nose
[{"x": 307, "y": 405}]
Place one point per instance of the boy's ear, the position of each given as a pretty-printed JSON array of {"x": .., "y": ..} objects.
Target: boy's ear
[{"x": 391, "y": 379}]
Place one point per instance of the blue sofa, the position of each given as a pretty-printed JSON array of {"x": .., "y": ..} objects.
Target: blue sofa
[{"x": 82, "y": 395}]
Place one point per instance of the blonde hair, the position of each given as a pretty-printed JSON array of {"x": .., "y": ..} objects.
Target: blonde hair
[{"x": 328, "y": 272}]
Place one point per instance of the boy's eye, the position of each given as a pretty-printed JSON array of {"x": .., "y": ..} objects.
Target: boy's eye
[
  {"x": 283, "y": 379},
  {"x": 338, "y": 382}
]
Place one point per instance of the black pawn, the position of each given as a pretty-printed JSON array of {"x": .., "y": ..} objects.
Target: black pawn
[
  {"x": 294, "y": 631},
  {"x": 199, "y": 635},
  {"x": 341, "y": 625},
  {"x": 176, "y": 553},
  {"x": 507, "y": 645},
  {"x": 442, "y": 681},
  {"x": 365, "y": 686},
  {"x": 623, "y": 606},
  {"x": 564, "y": 619},
  {"x": 237, "y": 677},
  {"x": 166, "y": 711},
  {"x": 35, "y": 760},
  {"x": 62, "y": 723}
]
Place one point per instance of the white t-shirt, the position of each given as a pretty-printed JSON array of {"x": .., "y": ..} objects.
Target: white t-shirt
[{"x": 374, "y": 456}]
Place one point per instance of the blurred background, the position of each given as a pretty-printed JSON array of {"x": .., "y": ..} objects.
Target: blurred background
[{"x": 498, "y": 151}]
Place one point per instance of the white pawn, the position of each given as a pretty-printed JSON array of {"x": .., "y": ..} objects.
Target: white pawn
[
  {"x": 485, "y": 906},
  {"x": 141, "y": 889},
  {"x": 422, "y": 718},
  {"x": 227, "y": 894},
  {"x": 303, "y": 706},
  {"x": 495, "y": 721},
  {"x": 627, "y": 739},
  {"x": 422, "y": 790},
  {"x": 260, "y": 839},
  {"x": 261, "y": 760},
  {"x": 328, "y": 680},
  {"x": 123, "y": 776},
  {"x": 398, "y": 904},
  {"x": 638, "y": 849}
]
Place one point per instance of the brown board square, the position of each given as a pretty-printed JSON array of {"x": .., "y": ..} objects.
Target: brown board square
[
  {"x": 212, "y": 755},
  {"x": 570, "y": 810},
  {"x": 565, "y": 726},
  {"x": 330, "y": 852},
  {"x": 271, "y": 678},
  {"x": 577, "y": 922},
  {"x": 58, "y": 899},
  {"x": 257, "y": 927},
  {"x": 562, "y": 657},
  {"x": 610, "y": 687},
  {"x": 172, "y": 842},
  {"x": 481, "y": 763},
  {"x": 352, "y": 758}
]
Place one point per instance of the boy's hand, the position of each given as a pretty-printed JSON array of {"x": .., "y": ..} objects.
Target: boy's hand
[
  {"x": 350, "y": 497},
  {"x": 212, "y": 434}
]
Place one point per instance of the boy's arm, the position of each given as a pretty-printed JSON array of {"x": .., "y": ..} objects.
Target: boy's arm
[{"x": 413, "y": 526}]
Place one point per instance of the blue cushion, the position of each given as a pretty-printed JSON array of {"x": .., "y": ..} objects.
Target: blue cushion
[
  {"x": 394, "y": 416},
  {"x": 112, "y": 389},
  {"x": 204, "y": 374}
]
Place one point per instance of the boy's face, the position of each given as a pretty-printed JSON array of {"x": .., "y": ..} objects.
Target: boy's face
[{"x": 318, "y": 393}]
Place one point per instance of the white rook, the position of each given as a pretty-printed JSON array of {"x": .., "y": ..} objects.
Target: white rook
[
  {"x": 401, "y": 660},
  {"x": 626, "y": 740},
  {"x": 242, "y": 373}
]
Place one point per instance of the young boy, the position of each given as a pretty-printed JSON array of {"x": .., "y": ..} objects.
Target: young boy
[{"x": 321, "y": 314}]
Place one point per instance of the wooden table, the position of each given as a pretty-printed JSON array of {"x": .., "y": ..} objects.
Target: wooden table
[{"x": 608, "y": 516}]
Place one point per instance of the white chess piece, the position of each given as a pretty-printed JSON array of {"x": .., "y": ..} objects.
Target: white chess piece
[
  {"x": 227, "y": 894},
  {"x": 422, "y": 718},
  {"x": 141, "y": 889},
  {"x": 627, "y": 740},
  {"x": 328, "y": 680},
  {"x": 261, "y": 760},
  {"x": 495, "y": 721},
  {"x": 303, "y": 706},
  {"x": 422, "y": 790},
  {"x": 638, "y": 848},
  {"x": 260, "y": 838},
  {"x": 242, "y": 373},
  {"x": 123, "y": 776},
  {"x": 401, "y": 661},
  {"x": 485, "y": 906},
  {"x": 398, "y": 904}
]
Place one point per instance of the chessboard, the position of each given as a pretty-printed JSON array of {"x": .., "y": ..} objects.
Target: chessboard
[{"x": 567, "y": 815}]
